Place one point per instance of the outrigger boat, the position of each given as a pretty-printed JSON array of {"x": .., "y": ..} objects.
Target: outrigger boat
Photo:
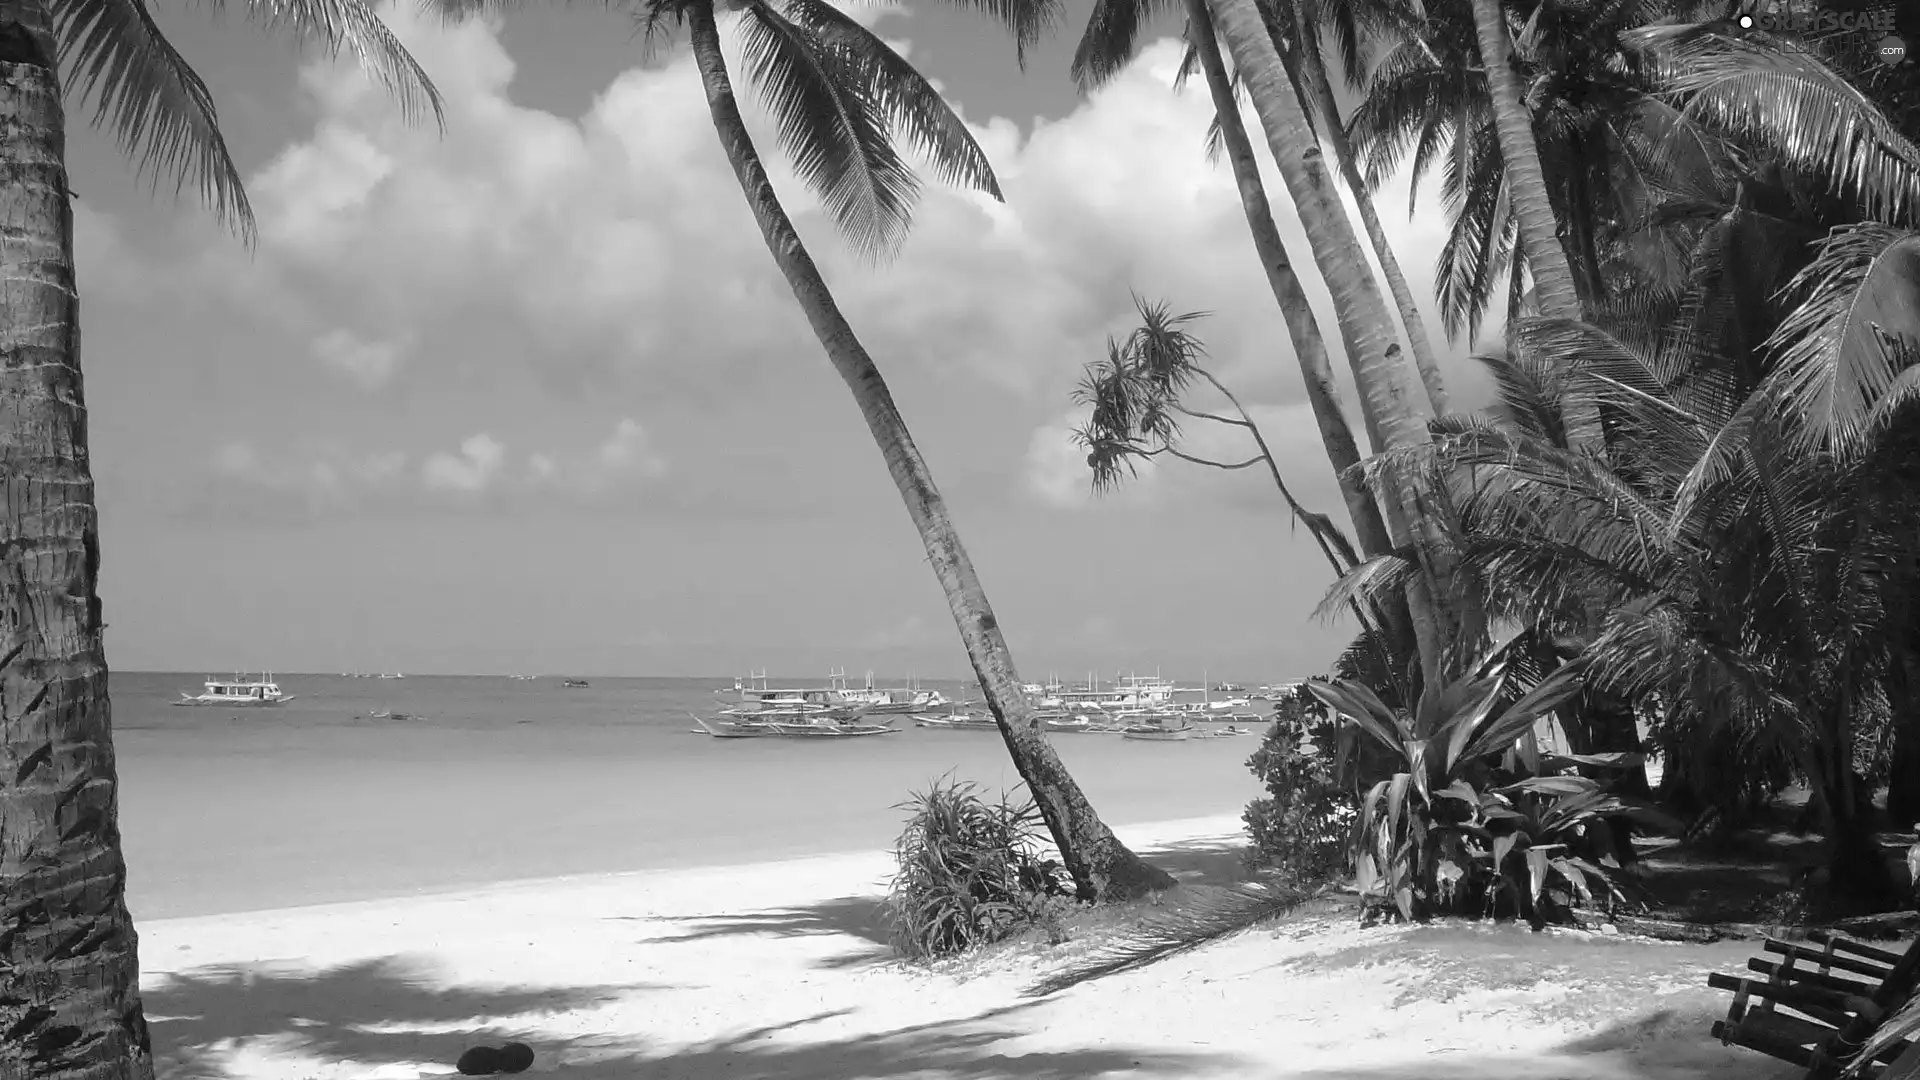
[
  {"x": 959, "y": 720},
  {"x": 239, "y": 692},
  {"x": 804, "y": 729},
  {"x": 1158, "y": 727}
]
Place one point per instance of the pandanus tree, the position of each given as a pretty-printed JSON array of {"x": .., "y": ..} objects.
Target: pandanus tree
[
  {"x": 840, "y": 98},
  {"x": 69, "y": 970}
]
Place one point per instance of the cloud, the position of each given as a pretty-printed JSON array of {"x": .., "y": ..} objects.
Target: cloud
[
  {"x": 326, "y": 479},
  {"x": 471, "y": 471},
  {"x": 618, "y": 237},
  {"x": 369, "y": 365}
]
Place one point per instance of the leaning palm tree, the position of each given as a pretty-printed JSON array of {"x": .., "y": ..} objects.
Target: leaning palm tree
[
  {"x": 69, "y": 973},
  {"x": 838, "y": 95}
]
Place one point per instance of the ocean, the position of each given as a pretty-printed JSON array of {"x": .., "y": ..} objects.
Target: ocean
[{"x": 496, "y": 780}]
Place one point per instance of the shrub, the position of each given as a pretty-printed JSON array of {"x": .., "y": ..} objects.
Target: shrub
[
  {"x": 1302, "y": 828},
  {"x": 970, "y": 873}
]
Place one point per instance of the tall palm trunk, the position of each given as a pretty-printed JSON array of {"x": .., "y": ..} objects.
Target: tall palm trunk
[
  {"x": 1366, "y": 328},
  {"x": 1554, "y": 290},
  {"x": 1303, "y": 327},
  {"x": 1418, "y": 341},
  {"x": 1102, "y": 867},
  {"x": 1553, "y": 285},
  {"x": 69, "y": 975}
]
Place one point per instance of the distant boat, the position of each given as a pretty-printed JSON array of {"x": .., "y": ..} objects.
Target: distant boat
[
  {"x": 395, "y": 675},
  {"x": 969, "y": 721},
  {"x": 790, "y": 729},
  {"x": 1157, "y": 734},
  {"x": 239, "y": 692},
  {"x": 523, "y": 678},
  {"x": 388, "y": 714},
  {"x": 574, "y": 682}
]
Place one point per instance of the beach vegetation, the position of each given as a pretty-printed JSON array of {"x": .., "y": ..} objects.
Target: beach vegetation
[
  {"x": 1300, "y": 830},
  {"x": 69, "y": 970},
  {"x": 971, "y": 871}
]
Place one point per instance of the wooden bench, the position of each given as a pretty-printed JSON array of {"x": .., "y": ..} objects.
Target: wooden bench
[{"x": 1817, "y": 1007}]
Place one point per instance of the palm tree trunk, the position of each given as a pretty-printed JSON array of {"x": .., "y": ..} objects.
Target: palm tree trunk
[
  {"x": 1303, "y": 327},
  {"x": 1418, "y": 341},
  {"x": 1366, "y": 328},
  {"x": 1553, "y": 286},
  {"x": 1554, "y": 291},
  {"x": 1102, "y": 867},
  {"x": 69, "y": 973}
]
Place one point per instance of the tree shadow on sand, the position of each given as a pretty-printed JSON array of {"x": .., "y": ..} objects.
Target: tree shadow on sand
[
  {"x": 860, "y": 917},
  {"x": 1669, "y": 1044},
  {"x": 362, "y": 1013}
]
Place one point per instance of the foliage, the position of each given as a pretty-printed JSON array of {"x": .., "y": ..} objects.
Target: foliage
[
  {"x": 969, "y": 872},
  {"x": 1300, "y": 828},
  {"x": 1464, "y": 816}
]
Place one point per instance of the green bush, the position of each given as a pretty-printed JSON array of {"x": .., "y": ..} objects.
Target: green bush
[
  {"x": 970, "y": 873},
  {"x": 1302, "y": 829}
]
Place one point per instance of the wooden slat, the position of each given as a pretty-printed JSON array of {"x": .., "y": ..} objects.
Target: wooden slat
[
  {"x": 1787, "y": 972},
  {"x": 1825, "y": 1005},
  {"x": 1848, "y": 945},
  {"x": 1825, "y": 959},
  {"x": 1771, "y": 1045}
]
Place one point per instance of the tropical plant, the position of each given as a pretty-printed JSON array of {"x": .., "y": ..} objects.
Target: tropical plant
[
  {"x": 1301, "y": 828},
  {"x": 1462, "y": 812},
  {"x": 840, "y": 96},
  {"x": 969, "y": 872},
  {"x": 69, "y": 970}
]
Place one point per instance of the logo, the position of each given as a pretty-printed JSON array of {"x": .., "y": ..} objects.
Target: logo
[
  {"x": 1879, "y": 21},
  {"x": 1816, "y": 21}
]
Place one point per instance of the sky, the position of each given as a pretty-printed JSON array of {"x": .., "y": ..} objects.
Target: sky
[{"x": 530, "y": 396}]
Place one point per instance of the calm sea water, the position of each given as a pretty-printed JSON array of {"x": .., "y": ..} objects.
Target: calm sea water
[{"x": 316, "y": 801}]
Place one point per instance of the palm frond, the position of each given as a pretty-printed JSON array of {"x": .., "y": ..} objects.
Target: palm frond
[
  {"x": 834, "y": 132},
  {"x": 1183, "y": 928},
  {"x": 910, "y": 105},
  {"x": 1779, "y": 93},
  {"x": 159, "y": 110},
  {"x": 1027, "y": 20},
  {"x": 353, "y": 26},
  {"x": 1111, "y": 36},
  {"x": 1835, "y": 354}
]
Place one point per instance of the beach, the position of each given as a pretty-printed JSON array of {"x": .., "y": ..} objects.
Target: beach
[
  {"x": 323, "y": 896},
  {"x": 777, "y": 970}
]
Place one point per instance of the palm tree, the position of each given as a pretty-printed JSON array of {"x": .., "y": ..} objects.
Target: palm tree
[
  {"x": 1348, "y": 22},
  {"x": 837, "y": 93},
  {"x": 1394, "y": 420},
  {"x": 69, "y": 970}
]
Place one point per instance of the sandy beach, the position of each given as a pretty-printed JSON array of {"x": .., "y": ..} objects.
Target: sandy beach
[{"x": 779, "y": 970}]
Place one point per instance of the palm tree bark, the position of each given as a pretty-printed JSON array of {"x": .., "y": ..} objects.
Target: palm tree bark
[
  {"x": 1303, "y": 327},
  {"x": 1102, "y": 867},
  {"x": 1418, "y": 341},
  {"x": 69, "y": 973},
  {"x": 1366, "y": 327},
  {"x": 1553, "y": 285},
  {"x": 1554, "y": 291}
]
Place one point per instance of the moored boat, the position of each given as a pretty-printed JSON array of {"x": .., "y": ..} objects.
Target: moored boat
[
  {"x": 1151, "y": 733},
  {"x": 239, "y": 692},
  {"x": 972, "y": 721}
]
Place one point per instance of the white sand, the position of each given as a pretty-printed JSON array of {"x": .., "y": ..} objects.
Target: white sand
[{"x": 774, "y": 971}]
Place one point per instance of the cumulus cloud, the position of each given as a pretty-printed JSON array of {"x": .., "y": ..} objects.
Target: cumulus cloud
[
  {"x": 369, "y": 365},
  {"x": 620, "y": 236},
  {"x": 326, "y": 479}
]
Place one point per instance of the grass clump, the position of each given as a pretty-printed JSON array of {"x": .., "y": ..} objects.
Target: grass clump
[{"x": 970, "y": 873}]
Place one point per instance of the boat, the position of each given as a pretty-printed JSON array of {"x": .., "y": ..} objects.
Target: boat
[
  {"x": 575, "y": 682},
  {"x": 972, "y": 721},
  {"x": 1155, "y": 733},
  {"x": 904, "y": 701},
  {"x": 1063, "y": 722},
  {"x": 1128, "y": 692},
  {"x": 797, "y": 729},
  {"x": 395, "y": 675},
  {"x": 239, "y": 692},
  {"x": 1228, "y": 688},
  {"x": 389, "y": 714}
]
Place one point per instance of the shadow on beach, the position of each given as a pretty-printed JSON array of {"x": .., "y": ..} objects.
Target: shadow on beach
[{"x": 389, "y": 1013}]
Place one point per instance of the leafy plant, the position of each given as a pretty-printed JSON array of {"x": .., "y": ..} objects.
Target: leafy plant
[
  {"x": 1300, "y": 827},
  {"x": 970, "y": 873},
  {"x": 1460, "y": 819}
]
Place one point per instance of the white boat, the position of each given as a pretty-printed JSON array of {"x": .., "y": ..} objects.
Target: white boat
[
  {"x": 973, "y": 721},
  {"x": 1128, "y": 692},
  {"x": 239, "y": 692},
  {"x": 904, "y": 701},
  {"x": 790, "y": 729},
  {"x": 1152, "y": 733}
]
